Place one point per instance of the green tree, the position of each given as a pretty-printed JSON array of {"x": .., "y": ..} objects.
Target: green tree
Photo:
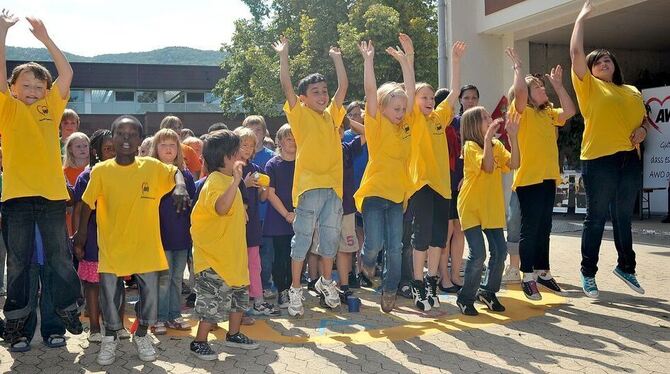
[{"x": 312, "y": 26}]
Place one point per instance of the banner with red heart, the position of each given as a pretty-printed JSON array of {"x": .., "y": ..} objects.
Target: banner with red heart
[{"x": 656, "y": 158}]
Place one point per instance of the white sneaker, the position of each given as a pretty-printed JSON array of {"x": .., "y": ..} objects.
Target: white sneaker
[
  {"x": 269, "y": 294},
  {"x": 107, "y": 353},
  {"x": 95, "y": 337},
  {"x": 145, "y": 348},
  {"x": 123, "y": 334},
  {"x": 511, "y": 275},
  {"x": 329, "y": 291},
  {"x": 295, "y": 308}
]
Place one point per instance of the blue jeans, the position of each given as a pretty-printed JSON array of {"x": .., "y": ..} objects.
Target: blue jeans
[
  {"x": 50, "y": 323},
  {"x": 514, "y": 224},
  {"x": 169, "y": 286},
  {"x": 320, "y": 208},
  {"x": 267, "y": 252},
  {"x": 612, "y": 184},
  {"x": 19, "y": 217},
  {"x": 383, "y": 225},
  {"x": 473, "y": 268}
]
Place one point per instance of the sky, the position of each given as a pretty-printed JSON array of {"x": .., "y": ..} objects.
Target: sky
[{"x": 93, "y": 27}]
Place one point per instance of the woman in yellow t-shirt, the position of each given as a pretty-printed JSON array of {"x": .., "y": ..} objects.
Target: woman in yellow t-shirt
[
  {"x": 481, "y": 205},
  {"x": 385, "y": 183},
  {"x": 535, "y": 180},
  {"x": 614, "y": 126}
]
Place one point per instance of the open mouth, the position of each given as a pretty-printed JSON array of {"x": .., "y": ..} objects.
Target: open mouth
[{"x": 125, "y": 145}]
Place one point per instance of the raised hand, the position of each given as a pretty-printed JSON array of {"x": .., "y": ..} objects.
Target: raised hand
[
  {"x": 367, "y": 49},
  {"x": 397, "y": 54},
  {"x": 493, "y": 129},
  {"x": 458, "y": 50},
  {"x": 514, "y": 57},
  {"x": 334, "y": 52},
  {"x": 406, "y": 44},
  {"x": 7, "y": 20},
  {"x": 556, "y": 76},
  {"x": 586, "y": 10},
  {"x": 512, "y": 124},
  {"x": 38, "y": 29},
  {"x": 281, "y": 46}
]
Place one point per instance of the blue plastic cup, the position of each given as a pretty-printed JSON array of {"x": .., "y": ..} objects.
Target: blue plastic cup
[{"x": 354, "y": 304}]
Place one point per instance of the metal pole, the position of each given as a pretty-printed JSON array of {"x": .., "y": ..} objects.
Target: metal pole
[{"x": 442, "y": 43}]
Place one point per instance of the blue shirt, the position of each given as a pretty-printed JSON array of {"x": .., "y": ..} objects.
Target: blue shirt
[{"x": 360, "y": 160}]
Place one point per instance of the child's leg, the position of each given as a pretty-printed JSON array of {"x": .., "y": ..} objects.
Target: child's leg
[
  {"x": 164, "y": 291},
  {"x": 234, "y": 322},
  {"x": 254, "y": 263},
  {"x": 177, "y": 268},
  {"x": 547, "y": 203},
  {"x": 147, "y": 307},
  {"x": 393, "y": 230},
  {"x": 498, "y": 252},
  {"x": 456, "y": 252},
  {"x": 111, "y": 294},
  {"x": 347, "y": 247},
  {"x": 313, "y": 266},
  {"x": 373, "y": 225},
  {"x": 50, "y": 324},
  {"x": 473, "y": 267},
  {"x": 514, "y": 230},
  {"x": 92, "y": 292},
  {"x": 439, "y": 231},
  {"x": 530, "y": 201},
  {"x": 330, "y": 230},
  {"x": 281, "y": 268},
  {"x": 422, "y": 225},
  {"x": 445, "y": 277},
  {"x": 303, "y": 226},
  {"x": 267, "y": 254}
]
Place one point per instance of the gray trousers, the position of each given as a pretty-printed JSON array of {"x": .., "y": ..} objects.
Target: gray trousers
[{"x": 111, "y": 295}]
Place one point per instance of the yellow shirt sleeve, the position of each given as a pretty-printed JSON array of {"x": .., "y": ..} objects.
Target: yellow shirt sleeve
[
  {"x": 582, "y": 88},
  {"x": 166, "y": 177},
  {"x": 554, "y": 114},
  {"x": 56, "y": 103},
  {"x": 93, "y": 189},
  {"x": 293, "y": 116},
  {"x": 7, "y": 110},
  {"x": 213, "y": 193},
  {"x": 337, "y": 113},
  {"x": 444, "y": 113}
]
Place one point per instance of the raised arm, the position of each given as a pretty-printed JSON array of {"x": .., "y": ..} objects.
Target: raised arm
[
  {"x": 488, "y": 160},
  {"x": 342, "y": 80},
  {"x": 62, "y": 65},
  {"x": 512, "y": 128},
  {"x": 577, "y": 54},
  {"x": 520, "y": 87},
  {"x": 226, "y": 199},
  {"x": 369, "y": 81},
  {"x": 556, "y": 80},
  {"x": 281, "y": 47},
  {"x": 7, "y": 20},
  {"x": 457, "y": 52},
  {"x": 406, "y": 59}
]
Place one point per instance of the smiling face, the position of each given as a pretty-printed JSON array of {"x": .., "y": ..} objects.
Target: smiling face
[
  {"x": 28, "y": 88},
  {"x": 425, "y": 99},
  {"x": 396, "y": 109},
  {"x": 316, "y": 97},
  {"x": 247, "y": 147},
  {"x": 356, "y": 114},
  {"x": 288, "y": 144},
  {"x": 259, "y": 131},
  {"x": 538, "y": 94},
  {"x": 603, "y": 68},
  {"x": 126, "y": 138}
]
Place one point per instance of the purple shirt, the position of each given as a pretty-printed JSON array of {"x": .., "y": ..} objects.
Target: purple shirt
[
  {"x": 175, "y": 227},
  {"x": 261, "y": 159},
  {"x": 349, "y": 152},
  {"x": 250, "y": 198},
  {"x": 281, "y": 173},
  {"x": 91, "y": 247}
]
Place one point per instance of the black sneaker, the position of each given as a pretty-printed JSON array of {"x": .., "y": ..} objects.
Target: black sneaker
[
  {"x": 467, "y": 309},
  {"x": 431, "y": 291},
  {"x": 490, "y": 300},
  {"x": 364, "y": 281},
  {"x": 13, "y": 329},
  {"x": 419, "y": 293},
  {"x": 71, "y": 320},
  {"x": 190, "y": 300},
  {"x": 354, "y": 282},
  {"x": 530, "y": 290},
  {"x": 550, "y": 284},
  {"x": 405, "y": 290},
  {"x": 240, "y": 340},
  {"x": 203, "y": 351},
  {"x": 311, "y": 285}
]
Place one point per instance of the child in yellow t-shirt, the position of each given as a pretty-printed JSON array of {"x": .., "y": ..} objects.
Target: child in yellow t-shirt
[
  {"x": 220, "y": 261},
  {"x": 126, "y": 192},
  {"x": 481, "y": 205},
  {"x": 385, "y": 185},
  {"x": 535, "y": 180},
  {"x": 317, "y": 187}
]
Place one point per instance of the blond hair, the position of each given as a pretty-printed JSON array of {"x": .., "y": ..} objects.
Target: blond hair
[
  {"x": 255, "y": 120},
  {"x": 171, "y": 122},
  {"x": 246, "y": 133},
  {"x": 388, "y": 91},
  {"x": 70, "y": 114},
  {"x": 167, "y": 134},
  {"x": 421, "y": 85},
  {"x": 68, "y": 162},
  {"x": 471, "y": 125},
  {"x": 530, "y": 80}
]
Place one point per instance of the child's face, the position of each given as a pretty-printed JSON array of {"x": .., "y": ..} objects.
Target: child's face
[
  {"x": 425, "y": 98},
  {"x": 259, "y": 131},
  {"x": 247, "y": 147},
  {"x": 288, "y": 144},
  {"x": 395, "y": 110},
  {"x": 126, "y": 139},
  {"x": 316, "y": 97},
  {"x": 107, "y": 149},
  {"x": 469, "y": 99},
  {"x": 79, "y": 149},
  {"x": 167, "y": 150},
  {"x": 29, "y": 89},
  {"x": 67, "y": 127},
  {"x": 486, "y": 121},
  {"x": 538, "y": 94}
]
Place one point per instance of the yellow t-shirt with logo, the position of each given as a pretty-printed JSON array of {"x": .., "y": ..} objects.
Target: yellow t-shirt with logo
[
  {"x": 481, "y": 201},
  {"x": 220, "y": 242},
  {"x": 126, "y": 199},
  {"x": 318, "y": 161},
  {"x": 537, "y": 146},
  {"x": 387, "y": 172},
  {"x": 429, "y": 160},
  {"x": 31, "y": 148},
  {"x": 611, "y": 114}
]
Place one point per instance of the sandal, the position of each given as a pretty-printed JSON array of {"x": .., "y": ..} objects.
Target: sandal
[
  {"x": 20, "y": 345},
  {"x": 159, "y": 328},
  {"x": 178, "y": 324},
  {"x": 55, "y": 341}
]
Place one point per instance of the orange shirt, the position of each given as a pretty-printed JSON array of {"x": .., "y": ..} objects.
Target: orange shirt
[
  {"x": 191, "y": 158},
  {"x": 71, "y": 175}
]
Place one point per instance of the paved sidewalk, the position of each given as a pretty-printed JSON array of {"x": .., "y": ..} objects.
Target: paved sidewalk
[{"x": 621, "y": 331}]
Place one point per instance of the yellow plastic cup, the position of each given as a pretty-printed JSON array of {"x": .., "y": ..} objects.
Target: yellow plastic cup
[{"x": 262, "y": 179}]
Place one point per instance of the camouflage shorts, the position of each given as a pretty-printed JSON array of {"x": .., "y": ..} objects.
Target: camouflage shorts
[{"x": 215, "y": 299}]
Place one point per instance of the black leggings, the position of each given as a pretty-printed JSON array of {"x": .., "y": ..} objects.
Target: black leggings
[
  {"x": 281, "y": 267},
  {"x": 537, "y": 205}
]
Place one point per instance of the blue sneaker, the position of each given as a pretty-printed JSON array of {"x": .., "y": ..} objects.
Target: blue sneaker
[
  {"x": 589, "y": 286},
  {"x": 629, "y": 279}
]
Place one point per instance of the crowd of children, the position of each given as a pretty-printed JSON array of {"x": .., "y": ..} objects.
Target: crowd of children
[{"x": 404, "y": 186}]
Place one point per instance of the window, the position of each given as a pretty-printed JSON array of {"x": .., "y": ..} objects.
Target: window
[
  {"x": 173, "y": 97},
  {"x": 195, "y": 97},
  {"x": 210, "y": 98},
  {"x": 76, "y": 96},
  {"x": 147, "y": 97},
  {"x": 101, "y": 96},
  {"x": 124, "y": 96}
]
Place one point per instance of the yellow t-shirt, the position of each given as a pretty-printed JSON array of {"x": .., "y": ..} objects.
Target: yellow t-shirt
[
  {"x": 481, "y": 201},
  {"x": 126, "y": 199},
  {"x": 611, "y": 114},
  {"x": 537, "y": 146},
  {"x": 32, "y": 160},
  {"x": 429, "y": 159},
  {"x": 318, "y": 161},
  {"x": 387, "y": 172},
  {"x": 220, "y": 242}
]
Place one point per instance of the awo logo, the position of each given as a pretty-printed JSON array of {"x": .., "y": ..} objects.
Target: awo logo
[
  {"x": 43, "y": 110},
  {"x": 658, "y": 111}
]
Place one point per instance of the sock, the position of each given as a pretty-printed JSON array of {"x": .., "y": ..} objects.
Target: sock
[
  {"x": 527, "y": 277},
  {"x": 326, "y": 281},
  {"x": 141, "y": 330}
]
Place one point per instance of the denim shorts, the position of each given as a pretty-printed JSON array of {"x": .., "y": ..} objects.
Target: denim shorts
[{"x": 318, "y": 209}]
